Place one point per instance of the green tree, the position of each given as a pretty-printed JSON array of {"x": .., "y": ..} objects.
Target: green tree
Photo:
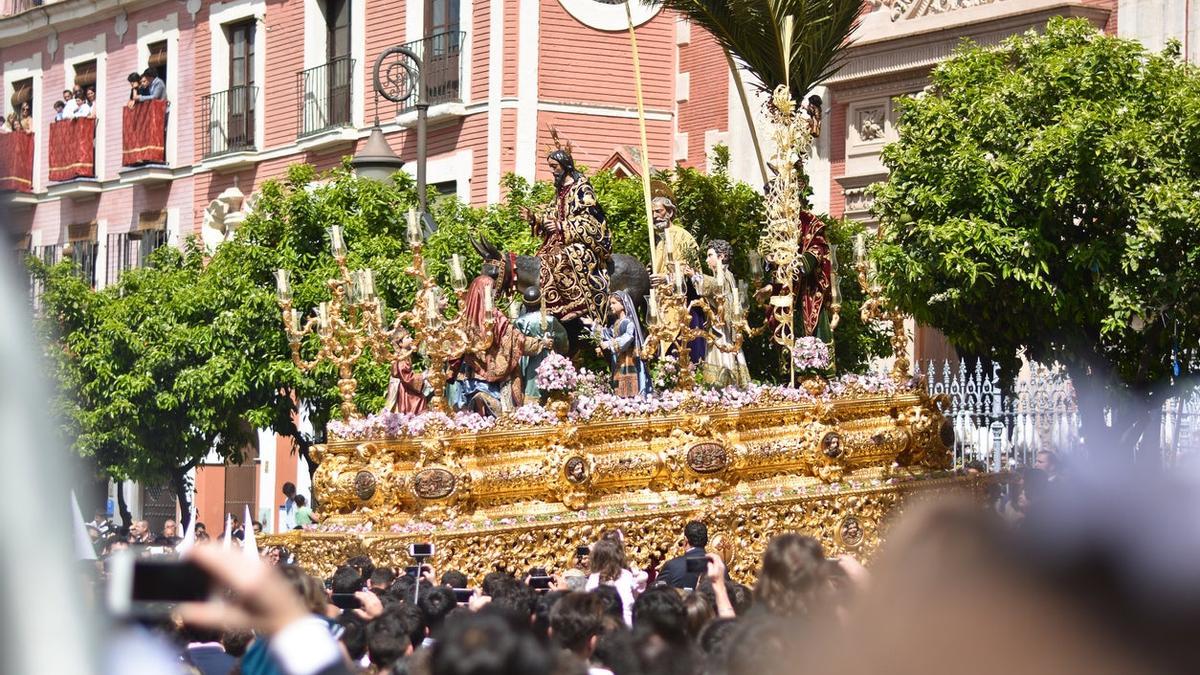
[
  {"x": 1043, "y": 198},
  {"x": 151, "y": 371}
]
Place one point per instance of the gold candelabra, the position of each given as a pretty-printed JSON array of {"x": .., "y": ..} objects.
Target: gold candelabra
[
  {"x": 444, "y": 339},
  {"x": 876, "y": 307},
  {"x": 348, "y": 325}
]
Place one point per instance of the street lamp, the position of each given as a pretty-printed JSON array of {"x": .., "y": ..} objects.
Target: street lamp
[
  {"x": 376, "y": 161},
  {"x": 399, "y": 76}
]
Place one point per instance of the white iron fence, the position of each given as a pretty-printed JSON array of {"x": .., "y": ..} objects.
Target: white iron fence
[{"x": 1041, "y": 414}]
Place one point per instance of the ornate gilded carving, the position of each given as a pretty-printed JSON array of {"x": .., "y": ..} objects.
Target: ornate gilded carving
[
  {"x": 433, "y": 483},
  {"x": 707, "y": 458},
  {"x": 848, "y": 520},
  {"x": 364, "y": 485}
]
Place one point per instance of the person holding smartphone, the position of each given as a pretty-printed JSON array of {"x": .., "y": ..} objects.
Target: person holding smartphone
[{"x": 685, "y": 571}]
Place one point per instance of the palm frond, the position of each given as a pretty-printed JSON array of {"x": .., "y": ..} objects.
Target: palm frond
[{"x": 797, "y": 42}]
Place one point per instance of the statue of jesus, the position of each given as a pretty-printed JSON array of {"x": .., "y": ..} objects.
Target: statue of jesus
[{"x": 576, "y": 244}]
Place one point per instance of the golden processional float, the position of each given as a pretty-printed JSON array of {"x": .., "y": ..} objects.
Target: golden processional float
[{"x": 832, "y": 457}]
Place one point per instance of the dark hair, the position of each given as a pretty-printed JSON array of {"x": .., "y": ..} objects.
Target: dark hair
[
  {"x": 607, "y": 559},
  {"x": 492, "y": 580},
  {"x": 661, "y": 611},
  {"x": 454, "y": 579},
  {"x": 790, "y": 575},
  {"x": 307, "y": 587},
  {"x": 723, "y": 249},
  {"x": 758, "y": 646},
  {"x": 60, "y": 104},
  {"x": 542, "y": 605},
  {"x": 347, "y": 579},
  {"x": 714, "y": 639},
  {"x": 289, "y": 489},
  {"x": 236, "y": 642},
  {"x": 614, "y": 649},
  {"x": 382, "y": 577},
  {"x": 150, "y": 73},
  {"x": 435, "y": 603},
  {"x": 576, "y": 619},
  {"x": 354, "y": 635},
  {"x": 977, "y": 465},
  {"x": 696, "y": 534},
  {"x": 390, "y": 635},
  {"x": 698, "y": 612},
  {"x": 364, "y": 565},
  {"x": 482, "y": 644},
  {"x": 613, "y": 604},
  {"x": 133, "y": 77},
  {"x": 301, "y": 501},
  {"x": 401, "y": 589},
  {"x": 515, "y": 600}
]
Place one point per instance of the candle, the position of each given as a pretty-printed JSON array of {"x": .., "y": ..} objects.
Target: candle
[
  {"x": 282, "y": 287},
  {"x": 354, "y": 288},
  {"x": 414, "y": 228},
  {"x": 756, "y": 269},
  {"x": 487, "y": 300},
  {"x": 653, "y": 305},
  {"x": 431, "y": 305},
  {"x": 678, "y": 276},
  {"x": 457, "y": 278},
  {"x": 368, "y": 283},
  {"x": 293, "y": 318},
  {"x": 323, "y": 315},
  {"x": 336, "y": 243},
  {"x": 860, "y": 248}
]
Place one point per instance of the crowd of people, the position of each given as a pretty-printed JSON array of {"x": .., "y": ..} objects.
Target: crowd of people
[{"x": 951, "y": 580}]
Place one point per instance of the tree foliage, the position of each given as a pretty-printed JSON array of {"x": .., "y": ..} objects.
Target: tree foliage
[{"x": 1043, "y": 197}]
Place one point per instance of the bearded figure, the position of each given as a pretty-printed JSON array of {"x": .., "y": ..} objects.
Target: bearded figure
[{"x": 576, "y": 244}]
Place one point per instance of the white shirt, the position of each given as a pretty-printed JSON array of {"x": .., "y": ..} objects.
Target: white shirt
[
  {"x": 627, "y": 588},
  {"x": 83, "y": 110},
  {"x": 287, "y": 516},
  {"x": 69, "y": 110}
]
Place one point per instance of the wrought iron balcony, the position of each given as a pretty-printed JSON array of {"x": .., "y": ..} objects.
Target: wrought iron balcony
[
  {"x": 228, "y": 120},
  {"x": 326, "y": 92},
  {"x": 441, "y": 55}
]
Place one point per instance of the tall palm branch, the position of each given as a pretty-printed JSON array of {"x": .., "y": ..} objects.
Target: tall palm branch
[{"x": 794, "y": 42}]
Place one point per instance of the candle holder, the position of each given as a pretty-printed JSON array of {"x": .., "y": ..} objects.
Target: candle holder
[
  {"x": 347, "y": 326},
  {"x": 443, "y": 339},
  {"x": 876, "y": 307},
  {"x": 352, "y": 323}
]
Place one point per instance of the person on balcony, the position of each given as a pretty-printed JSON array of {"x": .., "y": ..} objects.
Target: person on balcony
[
  {"x": 82, "y": 107},
  {"x": 91, "y": 100},
  {"x": 26, "y": 118},
  {"x": 59, "y": 107},
  {"x": 135, "y": 87},
  {"x": 69, "y": 104}
]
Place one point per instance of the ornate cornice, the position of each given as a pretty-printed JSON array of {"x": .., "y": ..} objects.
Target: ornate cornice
[{"x": 886, "y": 49}]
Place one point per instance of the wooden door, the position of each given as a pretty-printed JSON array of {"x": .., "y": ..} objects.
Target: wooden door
[{"x": 240, "y": 101}]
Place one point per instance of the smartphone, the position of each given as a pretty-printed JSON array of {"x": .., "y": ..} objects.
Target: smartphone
[
  {"x": 539, "y": 583},
  {"x": 463, "y": 595},
  {"x": 420, "y": 550},
  {"x": 345, "y": 601},
  {"x": 696, "y": 564},
  {"x": 150, "y": 586},
  {"x": 582, "y": 551},
  {"x": 537, "y": 572}
]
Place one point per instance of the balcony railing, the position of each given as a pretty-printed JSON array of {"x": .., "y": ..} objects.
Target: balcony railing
[
  {"x": 16, "y": 162},
  {"x": 130, "y": 250},
  {"x": 144, "y": 133},
  {"x": 228, "y": 120},
  {"x": 441, "y": 56},
  {"x": 325, "y": 95}
]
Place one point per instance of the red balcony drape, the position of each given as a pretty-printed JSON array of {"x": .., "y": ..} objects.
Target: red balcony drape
[
  {"x": 73, "y": 149},
  {"x": 16, "y": 162},
  {"x": 143, "y": 133}
]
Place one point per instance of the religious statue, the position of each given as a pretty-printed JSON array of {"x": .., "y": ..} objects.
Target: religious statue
[
  {"x": 576, "y": 243},
  {"x": 536, "y": 322},
  {"x": 487, "y": 377},
  {"x": 810, "y": 285},
  {"x": 723, "y": 367},
  {"x": 406, "y": 388},
  {"x": 623, "y": 340},
  {"x": 676, "y": 259}
]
